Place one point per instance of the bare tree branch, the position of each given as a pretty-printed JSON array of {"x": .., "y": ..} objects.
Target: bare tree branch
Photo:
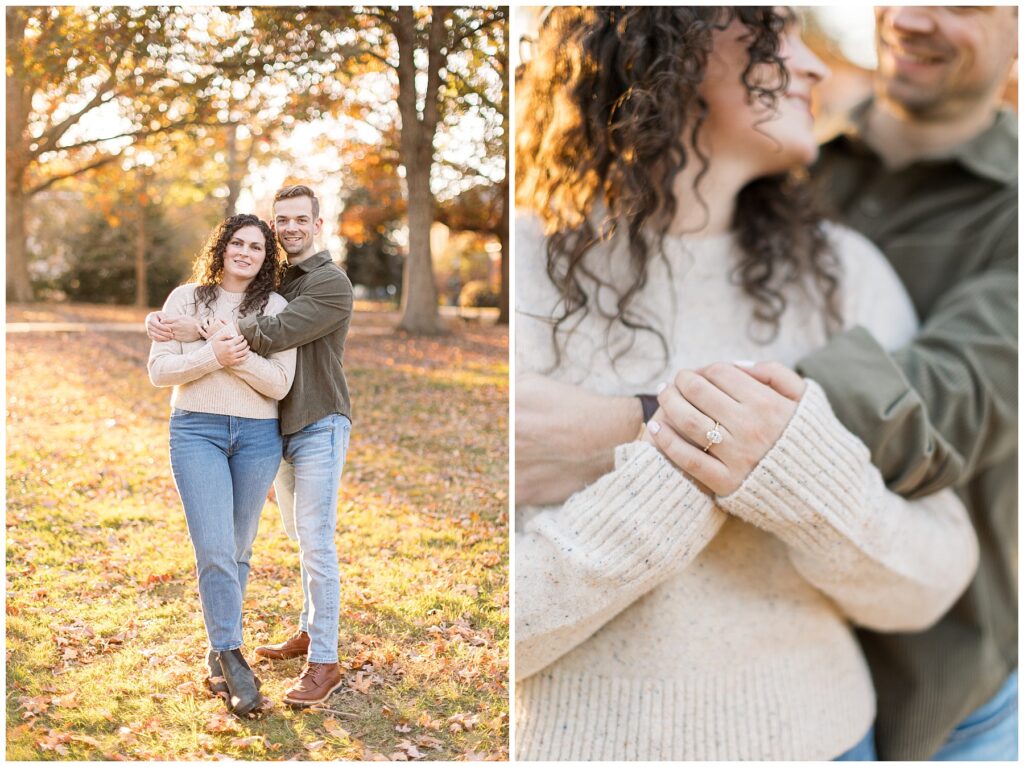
[
  {"x": 70, "y": 174},
  {"x": 53, "y": 134}
]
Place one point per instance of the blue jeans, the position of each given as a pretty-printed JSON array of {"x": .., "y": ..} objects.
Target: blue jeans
[
  {"x": 223, "y": 466},
  {"x": 307, "y": 492},
  {"x": 864, "y": 751},
  {"x": 989, "y": 734}
]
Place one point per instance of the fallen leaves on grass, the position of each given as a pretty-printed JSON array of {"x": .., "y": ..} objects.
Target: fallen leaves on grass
[
  {"x": 96, "y": 540},
  {"x": 462, "y": 722}
]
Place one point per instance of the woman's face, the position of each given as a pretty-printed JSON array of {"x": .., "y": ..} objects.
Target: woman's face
[
  {"x": 761, "y": 140},
  {"x": 245, "y": 253}
]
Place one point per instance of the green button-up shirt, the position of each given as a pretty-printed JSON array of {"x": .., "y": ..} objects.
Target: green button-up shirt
[
  {"x": 942, "y": 411},
  {"x": 315, "y": 322}
]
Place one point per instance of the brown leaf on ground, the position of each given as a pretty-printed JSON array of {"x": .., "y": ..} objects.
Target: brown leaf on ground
[
  {"x": 334, "y": 728},
  {"x": 462, "y": 722},
  {"x": 362, "y": 683},
  {"x": 33, "y": 706},
  {"x": 54, "y": 740},
  {"x": 490, "y": 559},
  {"x": 409, "y": 749},
  {"x": 221, "y": 721},
  {"x": 249, "y": 741},
  {"x": 316, "y": 745},
  {"x": 426, "y": 720},
  {"x": 68, "y": 700},
  {"x": 427, "y": 741}
]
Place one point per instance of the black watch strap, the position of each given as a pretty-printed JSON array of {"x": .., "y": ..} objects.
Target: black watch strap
[{"x": 649, "y": 403}]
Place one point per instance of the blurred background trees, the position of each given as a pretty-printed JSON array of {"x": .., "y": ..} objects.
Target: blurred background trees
[{"x": 132, "y": 131}]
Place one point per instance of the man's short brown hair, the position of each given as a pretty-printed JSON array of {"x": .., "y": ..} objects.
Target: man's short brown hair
[{"x": 299, "y": 190}]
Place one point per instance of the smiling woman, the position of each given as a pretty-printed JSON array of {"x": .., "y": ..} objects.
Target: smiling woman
[{"x": 224, "y": 435}]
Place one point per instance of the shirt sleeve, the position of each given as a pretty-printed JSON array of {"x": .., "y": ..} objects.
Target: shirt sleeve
[
  {"x": 271, "y": 376},
  {"x": 324, "y": 305},
  {"x": 579, "y": 565},
  {"x": 943, "y": 406},
  {"x": 169, "y": 364}
]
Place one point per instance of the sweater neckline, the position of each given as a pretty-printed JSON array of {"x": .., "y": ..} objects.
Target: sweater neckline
[
  {"x": 229, "y": 296},
  {"x": 704, "y": 248}
]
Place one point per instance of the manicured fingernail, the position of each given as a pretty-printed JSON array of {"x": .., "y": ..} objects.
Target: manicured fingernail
[
  {"x": 744, "y": 363},
  {"x": 661, "y": 387},
  {"x": 653, "y": 427}
]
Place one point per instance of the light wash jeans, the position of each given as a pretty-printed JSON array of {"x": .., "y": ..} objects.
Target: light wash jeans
[
  {"x": 307, "y": 492},
  {"x": 864, "y": 751},
  {"x": 989, "y": 734},
  {"x": 223, "y": 466}
]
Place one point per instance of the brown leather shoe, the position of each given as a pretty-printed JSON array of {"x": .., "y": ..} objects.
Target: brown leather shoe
[
  {"x": 293, "y": 647},
  {"x": 314, "y": 685}
]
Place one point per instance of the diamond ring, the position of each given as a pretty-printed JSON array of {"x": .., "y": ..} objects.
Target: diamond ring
[{"x": 714, "y": 437}]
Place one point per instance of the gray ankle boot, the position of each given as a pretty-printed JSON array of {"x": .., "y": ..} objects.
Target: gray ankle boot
[
  {"x": 215, "y": 681},
  {"x": 243, "y": 694}
]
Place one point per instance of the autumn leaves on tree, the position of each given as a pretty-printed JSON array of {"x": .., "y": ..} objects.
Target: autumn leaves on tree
[{"x": 171, "y": 105}]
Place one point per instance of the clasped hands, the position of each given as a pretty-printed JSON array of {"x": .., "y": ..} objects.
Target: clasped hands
[
  {"x": 229, "y": 346},
  {"x": 749, "y": 407}
]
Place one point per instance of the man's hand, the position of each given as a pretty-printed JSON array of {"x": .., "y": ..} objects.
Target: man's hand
[
  {"x": 566, "y": 437},
  {"x": 748, "y": 414},
  {"x": 160, "y": 327},
  {"x": 157, "y": 329},
  {"x": 231, "y": 350}
]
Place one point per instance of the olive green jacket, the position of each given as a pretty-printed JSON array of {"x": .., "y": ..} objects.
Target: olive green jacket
[
  {"x": 315, "y": 321},
  {"x": 942, "y": 411}
]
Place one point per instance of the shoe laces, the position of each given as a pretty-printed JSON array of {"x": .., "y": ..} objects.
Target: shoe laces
[{"x": 308, "y": 670}]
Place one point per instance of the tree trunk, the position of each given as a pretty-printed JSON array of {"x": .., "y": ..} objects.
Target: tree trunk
[
  {"x": 419, "y": 294},
  {"x": 502, "y": 61},
  {"x": 19, "y": 286},
  {"x": 141, "y": 246},
  {"x": 420, "y": 314},
  {"x": 503, "y": 308},
  {"x": 234, "y": 171}
]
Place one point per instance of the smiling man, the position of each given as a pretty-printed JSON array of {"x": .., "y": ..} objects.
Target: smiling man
[{"x": 316, "y": 426}]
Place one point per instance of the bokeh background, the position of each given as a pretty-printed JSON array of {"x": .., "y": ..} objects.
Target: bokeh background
[{"x": 843, "y": 36}]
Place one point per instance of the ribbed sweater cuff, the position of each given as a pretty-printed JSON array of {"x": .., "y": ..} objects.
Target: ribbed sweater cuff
[
  {"x": 206, "y": 360},
  {"x": 642, "y": 517},
  {"x": 808, "y": 488}
]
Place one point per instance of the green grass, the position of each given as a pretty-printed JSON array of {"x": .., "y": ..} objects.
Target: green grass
[{"x": 104, "y": 633}]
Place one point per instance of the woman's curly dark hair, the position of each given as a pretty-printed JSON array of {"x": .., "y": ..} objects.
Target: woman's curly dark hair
[
  {"x": 208, "y": 268},
  {"x": 604, "y": 105}
]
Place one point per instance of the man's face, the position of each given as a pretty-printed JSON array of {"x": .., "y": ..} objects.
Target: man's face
[
  {"x": 295, "y": 226},
  {"x": 941, "y": 62}
]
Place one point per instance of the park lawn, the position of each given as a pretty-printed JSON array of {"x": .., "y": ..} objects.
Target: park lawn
[{"x": 104, "y": 631}]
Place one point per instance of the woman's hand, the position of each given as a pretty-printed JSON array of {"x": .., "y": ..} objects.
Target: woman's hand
[
  {"x": 231, "y": 350},
  {"x": 716, "y": 424},
  {"x": 210, "y": 325}
]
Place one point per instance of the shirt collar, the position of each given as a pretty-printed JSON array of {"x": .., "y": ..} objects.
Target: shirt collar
[
  {"x": 311, "y": 263},
  {"x": 992, "y": 154}
]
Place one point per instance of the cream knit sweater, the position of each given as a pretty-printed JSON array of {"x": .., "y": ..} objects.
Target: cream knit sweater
[
  {"x": 201, "y": 383},
  {"x": 656, "y": 622}
]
